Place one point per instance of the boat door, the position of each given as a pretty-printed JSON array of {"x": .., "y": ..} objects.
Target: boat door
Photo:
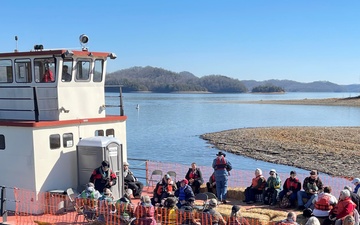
[{"x": 91, "y": 152}]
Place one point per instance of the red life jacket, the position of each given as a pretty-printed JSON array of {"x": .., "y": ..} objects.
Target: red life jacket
[
  {"x": 193, "y": 174},
  {"x": 292, "y": 184},
  {"x": 323, "y": 203},
  {"x": 255, "y": 182},
  {"x": 164, "y": 188},
  {"x": 220, "y": 163}
]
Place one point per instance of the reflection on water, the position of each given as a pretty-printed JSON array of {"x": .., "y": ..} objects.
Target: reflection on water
[{"x": 166, "y": 127}]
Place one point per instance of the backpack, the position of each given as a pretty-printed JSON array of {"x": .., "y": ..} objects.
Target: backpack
[
  {"x": 268, "y": 196},
  {"x": 285, "y": 202}
]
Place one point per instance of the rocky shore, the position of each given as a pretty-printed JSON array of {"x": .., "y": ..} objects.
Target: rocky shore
[{"x": 331, "y": 150}]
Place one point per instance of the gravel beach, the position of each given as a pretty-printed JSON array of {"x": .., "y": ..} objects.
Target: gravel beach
[{"x": 331, "y": 150}]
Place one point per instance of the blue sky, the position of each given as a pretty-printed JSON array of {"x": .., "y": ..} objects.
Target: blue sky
[{"x": 305, "y": 41}]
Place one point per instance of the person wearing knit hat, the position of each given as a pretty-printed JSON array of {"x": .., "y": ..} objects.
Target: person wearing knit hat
[
  {"x": 184, "y": 193},
  {"x": 103, "y": 176},
  {"x": 343, "y": 208},
  {"x": 236, "y": 218},
  {"x": 272, "y": 189},
  {"x": 256, "y": 188},
  {"x": 222, "y": 168},
  {"x": 290, "y": 189},
  {"x": 90, "y": 192},
  {"x": 356, "y": 182}
]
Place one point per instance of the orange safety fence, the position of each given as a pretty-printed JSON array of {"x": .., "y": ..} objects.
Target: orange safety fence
[
  {"x": 242, "y": 178},
  {"x": 57, "y": 209},
  {"x": 44, "y": 210}
]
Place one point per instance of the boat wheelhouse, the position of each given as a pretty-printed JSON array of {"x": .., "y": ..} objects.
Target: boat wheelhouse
[{"x": 50, "y": 100}]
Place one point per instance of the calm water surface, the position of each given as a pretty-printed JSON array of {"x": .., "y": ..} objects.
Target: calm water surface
[{"x": 166, "y": 127}]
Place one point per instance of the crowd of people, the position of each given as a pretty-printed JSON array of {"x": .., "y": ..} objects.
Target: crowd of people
[{"x": 311, "y": 196}]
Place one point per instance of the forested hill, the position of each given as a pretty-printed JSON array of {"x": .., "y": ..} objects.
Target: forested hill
[{"x": 160, "y": 80}]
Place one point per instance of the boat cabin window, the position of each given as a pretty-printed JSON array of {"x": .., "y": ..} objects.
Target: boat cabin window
[
  {"x": 44, "y": 70},
  {"x": 54, "y": 141},
  {"x": 68, "y": 140},
  {"x": 110, "y": 133},
  {"x": 2, "y": 142},
  {"x": 98, "y": 70},
  {"x": 99, "y": 133},
  {"x": 23, "y": 70},
  {"x": 67, "y": 70},
  {"x": 83, "y": 70},
  {"x": 6, "y": 71}
]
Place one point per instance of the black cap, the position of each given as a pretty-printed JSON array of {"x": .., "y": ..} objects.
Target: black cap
[
  {"x": 105, "y": 163},
  {"x": 293, "y": 172},
  {"x": 221, "y": 153}
]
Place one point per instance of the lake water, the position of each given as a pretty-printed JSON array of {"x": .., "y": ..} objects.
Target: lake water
[{"x": 166, "y": 127}]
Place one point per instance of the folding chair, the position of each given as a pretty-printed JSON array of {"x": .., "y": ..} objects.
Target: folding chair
[
  {"x": 172, "y": 174},
  {"x": 72, "y": 198},
  {"x": 204, "y": 201},
  {"x": 152, "y": 178},
  {"x": 83, "y": 207}
]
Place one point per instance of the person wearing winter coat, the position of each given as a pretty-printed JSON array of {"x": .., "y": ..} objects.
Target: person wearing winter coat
[{"x": 272, "y": 188}]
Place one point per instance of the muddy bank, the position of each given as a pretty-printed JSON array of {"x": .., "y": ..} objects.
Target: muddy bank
[{"x": 331, "y": 150}]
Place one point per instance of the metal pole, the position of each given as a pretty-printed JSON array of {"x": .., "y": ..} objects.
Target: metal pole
[
  {"x": 3, "y": 205},
  {"x": 36, "y": 106},
  {"x": 121, "y": 102}
]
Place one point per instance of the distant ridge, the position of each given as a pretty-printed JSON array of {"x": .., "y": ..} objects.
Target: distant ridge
[{"x": 159, "y": 80}]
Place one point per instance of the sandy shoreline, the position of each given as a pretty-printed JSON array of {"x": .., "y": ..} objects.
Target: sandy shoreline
[
  {"x": 351, "y": 101},
  {"x": 331, "y": 150}
]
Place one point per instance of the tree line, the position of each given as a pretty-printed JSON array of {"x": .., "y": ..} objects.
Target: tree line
[{"x": 164, "y": 81}]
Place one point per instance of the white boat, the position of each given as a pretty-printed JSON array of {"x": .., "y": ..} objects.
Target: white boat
[{"x": 47, "y": 112}]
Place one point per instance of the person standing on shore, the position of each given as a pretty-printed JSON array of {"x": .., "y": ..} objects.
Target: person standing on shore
[{"x": 221, "y": 166}]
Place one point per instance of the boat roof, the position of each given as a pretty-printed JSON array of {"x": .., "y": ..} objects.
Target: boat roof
[
  {"x": 98, "y": 141},
  {"x": 84, "y": 52}
]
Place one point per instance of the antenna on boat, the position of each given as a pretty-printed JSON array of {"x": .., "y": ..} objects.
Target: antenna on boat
[
  {"x": 84, "y": 39},
  {"x": 16, "y": 40}
]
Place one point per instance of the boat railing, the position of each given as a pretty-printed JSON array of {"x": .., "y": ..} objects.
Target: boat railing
[
  {"x": 3, "y": 203},
  {"x": 117, "y": 89},
  {"x": 3, "y": 210},
  {"x": 139, "y": 168}
]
